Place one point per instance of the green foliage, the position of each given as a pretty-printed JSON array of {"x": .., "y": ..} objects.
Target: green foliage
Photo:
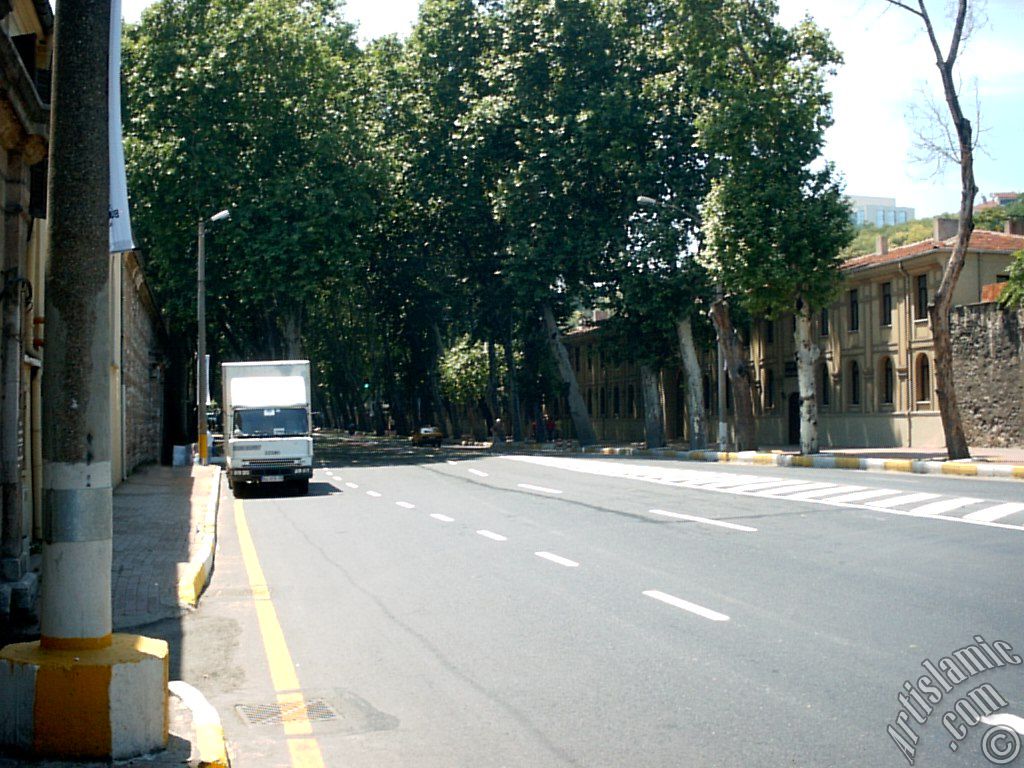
[
  {"x": 248, "y": 105},
  {"x": 1013, "y": 294},
  {"x": 995, "y": 218},
  {"x": 463, "y": 369},
  {"x": 775, "y": 218},
  {"x": 865, "y": 237}
]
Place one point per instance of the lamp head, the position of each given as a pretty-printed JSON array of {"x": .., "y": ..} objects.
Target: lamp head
[
  {"x": 221, "y": 215},
  {"x": 647, "y": 202}
]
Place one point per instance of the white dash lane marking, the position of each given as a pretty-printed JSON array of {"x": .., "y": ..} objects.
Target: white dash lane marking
[
  {"x": 405, "y": 505},
  {"x": 558, "y": 559},
  {"x": 443, "y": 518},
  {"x": 899, "y": 501},
  {"x": 1014, "y": 722},
  {"x": 705, "y": 520},
  {"x": 538, "y": 488},
  {"x": 478, "y": 473},
  {"x": 374, "y": 494},
  {"x": 353, "y": 486},
  {"x": 998, "y": 512},
  {"x": 686, "y": 605},
  {"x": 944, "y": 505},
  {"x": 493, "y": 536}
]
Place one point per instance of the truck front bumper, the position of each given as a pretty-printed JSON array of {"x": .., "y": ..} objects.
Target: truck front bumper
[{"x": 269, "y": 474}]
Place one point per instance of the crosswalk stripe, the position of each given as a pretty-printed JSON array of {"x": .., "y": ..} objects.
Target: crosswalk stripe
[
  {"x": 899, "y": 501},
  {"x": 823, "y": 494},
  {"x": 998, "y": 512},
  {"x": 848, "y": 498},
  {"x": 761, "y": 485},
  {"x": 786, "y": 490},
  {"x": 944, "y": 505}
]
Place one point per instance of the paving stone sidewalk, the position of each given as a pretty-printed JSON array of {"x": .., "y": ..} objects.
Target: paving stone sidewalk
[{"x": 158, "y": 515}]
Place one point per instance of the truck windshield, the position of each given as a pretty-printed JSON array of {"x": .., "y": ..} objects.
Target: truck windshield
[{"x": 270, "y": 422}]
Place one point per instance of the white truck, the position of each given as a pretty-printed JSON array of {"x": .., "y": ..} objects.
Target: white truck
[{"x": 267, "y": 423}]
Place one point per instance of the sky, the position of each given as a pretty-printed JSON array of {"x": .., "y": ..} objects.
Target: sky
[{"x": 888, "y": 67}]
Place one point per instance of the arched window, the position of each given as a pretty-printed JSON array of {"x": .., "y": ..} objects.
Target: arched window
[
  {"x": 854, "y": 383},
  {"x": 616, "y": 410},
  {"x": 888, "y": 381},
  {"x": 824, "y": 386},
  {"x": 924, "y": 379}
]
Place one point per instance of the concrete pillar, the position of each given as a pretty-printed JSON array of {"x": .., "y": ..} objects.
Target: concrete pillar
[{"x": 80, "y": 692}]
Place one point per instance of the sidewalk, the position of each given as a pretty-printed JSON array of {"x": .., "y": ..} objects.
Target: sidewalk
[
  {"x": 164, "y": 534},
  {"x": 1007, "y": 463}
]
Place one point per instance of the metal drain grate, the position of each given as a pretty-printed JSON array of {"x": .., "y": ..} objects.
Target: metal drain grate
[{"x": 277, "y": 714}]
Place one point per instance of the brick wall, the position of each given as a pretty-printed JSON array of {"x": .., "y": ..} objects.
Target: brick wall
[
  {"x": 142, "y": 370},
  {"x": 988, "y": 366}
]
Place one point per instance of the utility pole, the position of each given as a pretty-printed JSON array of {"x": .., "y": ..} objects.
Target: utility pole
[
  {"x": 80, "y": 692},
  {"x": 201, "y": 396}
]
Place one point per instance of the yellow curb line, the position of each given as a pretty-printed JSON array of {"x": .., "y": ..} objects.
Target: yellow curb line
[
  {"x": 209, "y": 744},
  {"x": 194, "y": 575},
  {"x": 960, "y": 469}
]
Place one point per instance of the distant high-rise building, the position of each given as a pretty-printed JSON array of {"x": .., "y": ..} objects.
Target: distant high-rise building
[{"x": 879, "y": 211}]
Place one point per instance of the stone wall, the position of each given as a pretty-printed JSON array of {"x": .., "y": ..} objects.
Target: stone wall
[
  {"x": 142, "y": 370},
  {"x": 988, "y": 368}
]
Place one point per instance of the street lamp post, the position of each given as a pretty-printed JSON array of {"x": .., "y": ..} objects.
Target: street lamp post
[
  {"x": 201, "y": 393},
  {"x": 723, "y": 424}
]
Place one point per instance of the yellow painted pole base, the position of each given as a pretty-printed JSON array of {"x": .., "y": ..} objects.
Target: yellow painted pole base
[{"x": 103, "y": 703}]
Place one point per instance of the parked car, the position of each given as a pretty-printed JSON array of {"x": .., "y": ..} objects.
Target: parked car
[{"x": 427, "y": 436}]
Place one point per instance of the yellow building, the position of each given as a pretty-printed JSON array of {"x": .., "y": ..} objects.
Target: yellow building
[
  {"x": 26, "y": 29},
  {"x": 875, "y": 376}
]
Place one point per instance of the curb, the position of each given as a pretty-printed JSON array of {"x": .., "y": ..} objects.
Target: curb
[
  {"x": 210, "y": 750},
  {"x": 194, "y": 575},
  {"x": 916, "y": 466}
]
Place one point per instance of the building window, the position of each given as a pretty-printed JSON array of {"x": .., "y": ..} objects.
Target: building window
[
  {"x": 921, "y": 302},
  {"x": 924, "y": 379},
  {"x": 769, "y": 389},
  {"x": 630, "y": 402},
  {"x": 825, "y": 388},
  {"x": 886, "y": 316},
  {"x": 615, "y": 402},
  {"x": 854, "y": 311},
  {"x": 707, "y": 391},
  {"x": 888, "y": 381},
  {"x": 854, "y": 383},
  {"x": 824, "y": 322},
  {"x": 769, "y": 331},
  {"x": 602, "y": 403},
  {"x": 590, "y": 402}
]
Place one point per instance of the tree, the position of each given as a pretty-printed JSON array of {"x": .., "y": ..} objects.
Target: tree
[
  {"x": 774, "y": 221},
  {"x": 286, "y": 148},
  {"x": 962, "y": 150},
  {"x": 1013, "y": 294}
]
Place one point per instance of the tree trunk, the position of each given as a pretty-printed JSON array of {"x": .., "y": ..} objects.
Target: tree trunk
[
  {"x": 577, "y": 407},
  {"x": 654, "y": 422},
  {"x": 291, "y": 333},
  {"x": 492, "y": 379},
  {"x": 694, "y": 384},
  {"x": 739, "y": 376},
  {"x": 442, "y": 408},
  {"x": 807, "y": 353},
  {"x": 514, "y": 411},
  {"x": 938, "y": 312}
]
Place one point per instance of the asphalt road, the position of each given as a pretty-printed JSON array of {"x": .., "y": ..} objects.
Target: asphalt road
[{"x": 443, "y": 608}]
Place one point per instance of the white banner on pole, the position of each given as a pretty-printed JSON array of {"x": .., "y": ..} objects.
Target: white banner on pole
[{"x": 120, "y": 221}]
